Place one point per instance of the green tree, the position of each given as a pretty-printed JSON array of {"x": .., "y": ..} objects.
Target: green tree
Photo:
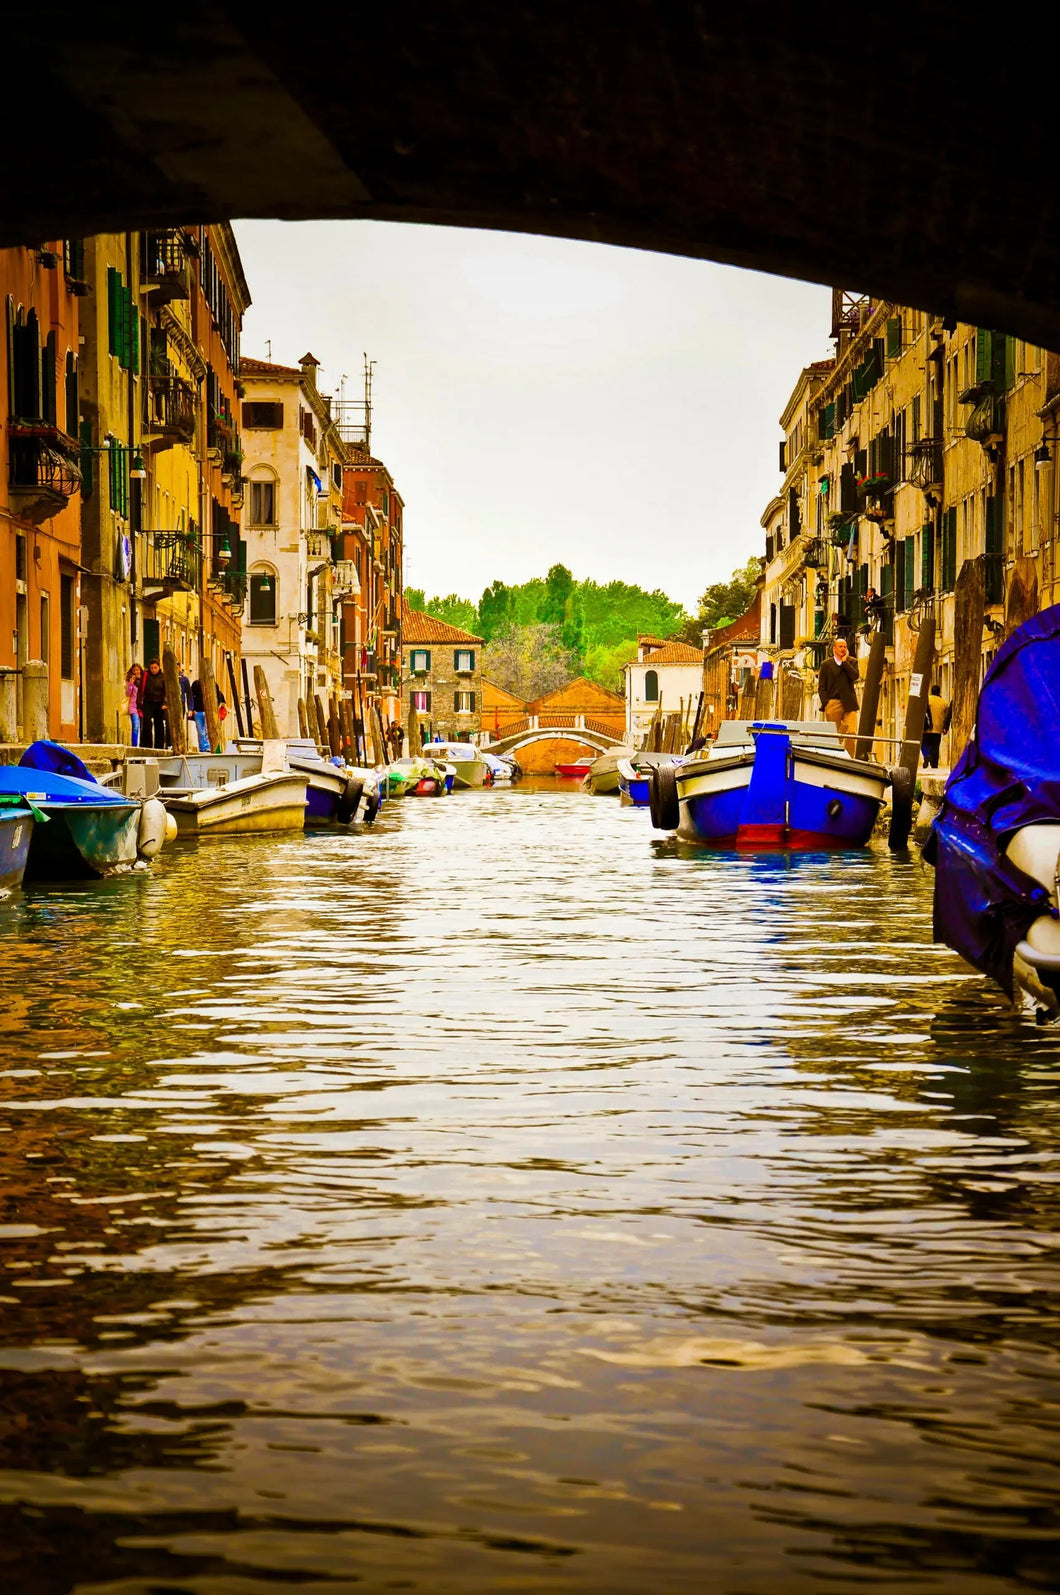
[
  {"x": 494, "y": 609},
  {"x": 455, "y": 611},
  {"x": 416, "y": 598},
  {"x": 559, "y": 587}
]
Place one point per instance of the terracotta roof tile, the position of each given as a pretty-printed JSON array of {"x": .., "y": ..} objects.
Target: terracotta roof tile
[
  {"x": 419, "y": 627},
  {"x": 265, "y": 368},
  {"x": 671, "y": 653}
]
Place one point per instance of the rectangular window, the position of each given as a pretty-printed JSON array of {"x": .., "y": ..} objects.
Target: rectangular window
[
  {"x": 420, "y": 661},
  {"x": 464, "y": 702},
  {"x": 45, "y": 629},
  {"x": 263, "y": 503},
  {"x": 262, "y": 415},
  {"x": 464, "y": 661},
  {"x": 949, "y": 550},
  {"x": 899, "y": 575},
  {"x": 421, "y": 701},
  {"x": 66, "y": 627},
  {"x": 262, "y": 599},
  {"x": 927, "y": 557}
]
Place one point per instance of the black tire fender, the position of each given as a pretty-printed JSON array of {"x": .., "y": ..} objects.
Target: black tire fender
[
  {"x": 371, "y": 807},
  {"x": 349, "y": 800},
  {"x": 663, "y": 802},
  {"x": 902, "y": 786}
]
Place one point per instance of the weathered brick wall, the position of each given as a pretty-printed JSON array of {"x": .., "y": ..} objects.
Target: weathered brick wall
[{"x": 443, "y": 682}]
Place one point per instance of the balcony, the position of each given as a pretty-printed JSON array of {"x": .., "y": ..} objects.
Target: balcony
[
  {"x": 169, "y": 410},
  {"x": 165, "y": 267},
  {"x": 344, "y": 578},
  {"x": 815, "y": 554},
  {"x": 231, "y": 587},
  {"x": 172, "y": 564},
  {"x": 44, "y": 469},
  {"x": 318, "y": 545},
  {"x": 925, "y": 464},
  {"x": 986, "y": 424}
]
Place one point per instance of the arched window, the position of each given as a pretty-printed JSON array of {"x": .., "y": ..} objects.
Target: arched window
[
  {"x": 651, "y": 686},
  {"x": 264, "y": 498},
  {"x": 263, "y": 586}
]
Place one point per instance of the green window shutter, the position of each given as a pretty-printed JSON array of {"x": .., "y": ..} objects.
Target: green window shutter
[
  {"x": 916, "y": 419},
  {"x": 894, "y": 337},
  {"x": 114, "y": 309},
  {"x": 927, "y": 557},
  {"x": 132, "y": 334},
  {"x": 910, "y": 570},
  {"x": 899, "y": 576},
  {"x": 949, "y": 550},
  {"x": 983, "y": 355},
  {"x": 887, "y": 594}
]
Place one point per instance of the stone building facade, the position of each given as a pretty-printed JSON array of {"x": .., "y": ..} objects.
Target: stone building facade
[
  {"x": 919, "y": 461},
  {"x": 441, "y": 679}
]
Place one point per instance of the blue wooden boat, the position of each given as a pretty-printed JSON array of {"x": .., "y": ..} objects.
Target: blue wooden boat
[
  {"x": 634, "y": 775},
  {"x": 771, "y": 785},
  {"x": 995, "y": 843},
  {"x": 16, "y": 834},
  {"x": 90, "y": 830}
]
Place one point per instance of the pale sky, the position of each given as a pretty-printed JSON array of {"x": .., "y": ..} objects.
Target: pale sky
[{"x": 539, "y": 400}]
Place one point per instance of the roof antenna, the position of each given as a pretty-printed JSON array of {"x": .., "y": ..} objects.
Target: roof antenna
[
  {"x": 268, "y": 348},
  {"x": 369, "y": 367}
]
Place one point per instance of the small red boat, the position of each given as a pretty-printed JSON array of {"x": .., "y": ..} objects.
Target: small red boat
[{"x": 574, "y": 772}]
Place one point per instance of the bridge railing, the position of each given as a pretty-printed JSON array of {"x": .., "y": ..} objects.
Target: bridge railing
[{"x": 602, "y": 729}]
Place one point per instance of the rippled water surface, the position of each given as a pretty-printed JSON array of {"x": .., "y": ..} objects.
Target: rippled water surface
[{"x": 511, "y": 1200}]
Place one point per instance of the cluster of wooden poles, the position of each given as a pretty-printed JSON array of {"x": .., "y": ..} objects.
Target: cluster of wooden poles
[
  {"x": 351, "y": 729},
  {"x": 671, "y": 733}
]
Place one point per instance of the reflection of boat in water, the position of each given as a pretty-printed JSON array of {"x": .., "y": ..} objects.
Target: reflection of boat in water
[
  {"x": 996, "y": 840},
  {"x": 771, "y": 784},
  {"x": 634, "y": 775}
]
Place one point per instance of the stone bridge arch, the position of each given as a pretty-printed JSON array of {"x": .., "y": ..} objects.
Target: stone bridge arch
[{"x": 539, "y": 748}]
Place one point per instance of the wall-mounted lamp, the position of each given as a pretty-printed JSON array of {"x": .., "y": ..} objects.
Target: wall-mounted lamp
[
  {"x": 222, "y": 557},
  {"x": 266, "y": 585},
  {"x": 138, "y": 472},
  {"x": 1042, "y": 456}
]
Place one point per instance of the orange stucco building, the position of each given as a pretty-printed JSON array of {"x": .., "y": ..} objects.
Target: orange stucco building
[
  {"x": 40, "y": 479},
  {"x": 582, "y": 697}
]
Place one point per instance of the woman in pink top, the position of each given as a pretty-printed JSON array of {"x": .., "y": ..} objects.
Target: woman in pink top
[{"x": 133, "y": 677}]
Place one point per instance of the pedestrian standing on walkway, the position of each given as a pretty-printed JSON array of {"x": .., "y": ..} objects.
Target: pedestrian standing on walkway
[
  {"x": 133, "y": 677},
  {"x": 153, "y": 706},
  {"x": 839, "y": 700},
  {"x": 936, "y": 724}
]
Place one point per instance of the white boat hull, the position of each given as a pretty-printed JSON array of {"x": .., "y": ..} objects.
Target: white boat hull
[{"x": 255, "y": 804}]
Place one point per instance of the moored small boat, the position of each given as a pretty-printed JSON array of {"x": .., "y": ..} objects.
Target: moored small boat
[
  {"x": 16, "y": 834},
  {"x": 995, "y": 843},
  {"x": 634, "y": 775},
  {"x": 467, "y": 761},
  {"x": 252, "y": 804},
  {"x": 573, "y": 772},
  {"x": 603, "y": 772},
  {"x": 88, "y": 830},
  {"x": 774, "y": 785}
]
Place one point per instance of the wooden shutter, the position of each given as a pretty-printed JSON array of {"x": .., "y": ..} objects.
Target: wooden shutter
[
  {"x": 894, "y": 337},
  {"x": 915, "y": 420},
  {"x": 949, "y": 550},
  {"x": 887, "y": 594},
  {"x": 983, "y": 355},
  {"x": 848, "y": 490},
  {"x": 72, "y": 402},
  {"x": 927, "y": 557},
  {"x": 899, "y": 575},
  {"x": 49, "y": 407},
  {"x": 787, "y": 625},
  {"x": 910, "y": 570},
  {"x": 783, "y": 451}
]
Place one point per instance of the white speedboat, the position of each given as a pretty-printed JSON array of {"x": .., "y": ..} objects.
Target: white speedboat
[
  {"x": 465, "y": 758},
  {"x": 221, "y": 794}
]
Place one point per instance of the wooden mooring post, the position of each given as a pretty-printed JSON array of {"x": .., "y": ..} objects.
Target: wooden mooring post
[
  {"x": 174, "y": 702},
  {"x": 870, "y": 695},
  {"x": 209, "y": 702},
  {"x": 919, "y": 686},
  {"x": 969, "y": 612},
  {"x": 269, "y": 729}
]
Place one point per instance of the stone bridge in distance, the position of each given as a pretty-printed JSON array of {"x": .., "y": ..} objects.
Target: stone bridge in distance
[{"x": 560, "y": 738}]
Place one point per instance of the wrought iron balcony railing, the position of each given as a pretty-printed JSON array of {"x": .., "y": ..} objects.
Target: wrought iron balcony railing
[
  {"x": 43, "y": 468},
  {"x": 165, "y": 266},
  {"x": 173, "y": 561},
  {"x": 925, "y": 463},
  {"x": 986, "y": 424},
  {"x": 169, "y": 407}
]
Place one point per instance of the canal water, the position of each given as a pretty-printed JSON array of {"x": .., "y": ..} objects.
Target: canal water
[{"x": 509, "y": 1199}]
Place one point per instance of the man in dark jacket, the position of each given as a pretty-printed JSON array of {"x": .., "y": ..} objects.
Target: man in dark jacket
[
  {"x": 839, "y": 700},
  {"x": 153, "y": 707}
]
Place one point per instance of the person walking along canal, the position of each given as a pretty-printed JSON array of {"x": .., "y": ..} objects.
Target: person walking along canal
[
  {"x": 936, "y": 724},
  {"x": 133, "y": 681},
  {"x": 839, "y": 699},
  {"x": 153, "y": 706}
]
